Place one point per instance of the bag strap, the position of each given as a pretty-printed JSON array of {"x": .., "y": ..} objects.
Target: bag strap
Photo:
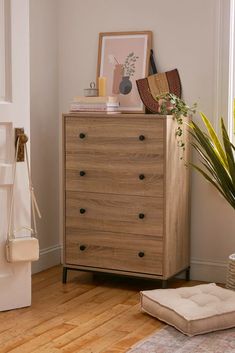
[
  {"x": 33, "y": 201},
  {"x": 152, "y": 63},
  {"x": 9, "y": 232}
]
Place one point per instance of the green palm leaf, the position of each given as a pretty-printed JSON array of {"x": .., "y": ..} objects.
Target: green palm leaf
[
  {"x": 217, "y": 160},
  {"x": 209, "y": 149},
  {"x": 214, "y": 139},
  {"x": 208, "y": 178},
  {"x": 229, "y": 151}
]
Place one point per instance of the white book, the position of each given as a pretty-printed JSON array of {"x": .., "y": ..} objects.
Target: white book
[
  {"x": 106, "y": 99},
  {"x": 89, "y": 106}
]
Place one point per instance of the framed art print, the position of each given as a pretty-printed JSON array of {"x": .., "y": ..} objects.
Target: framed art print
[{"x": 123, "y": 58}]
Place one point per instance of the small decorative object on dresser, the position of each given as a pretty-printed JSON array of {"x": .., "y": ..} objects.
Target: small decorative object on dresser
[
  {"x": 92, "y": 91},
  {"x": 125, "y": 195}
]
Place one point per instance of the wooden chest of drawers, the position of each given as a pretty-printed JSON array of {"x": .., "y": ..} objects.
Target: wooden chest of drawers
[{"x": 125, "y": 195}]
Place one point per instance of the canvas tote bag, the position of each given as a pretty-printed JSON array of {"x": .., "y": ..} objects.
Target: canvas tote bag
[{"x": 22, "y": 248}]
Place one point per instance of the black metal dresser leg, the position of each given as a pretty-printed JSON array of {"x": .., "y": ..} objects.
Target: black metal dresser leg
[
  {"x": 164, "y": 283},
  {"x": 187, "y": 274},
  {"x": 64, "y": 278}
]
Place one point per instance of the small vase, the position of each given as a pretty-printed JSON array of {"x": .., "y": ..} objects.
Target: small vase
[
  {"x": 230, "y": 280},
  {"x": 117, "y": 78},
  {"x": 125, "y": 85}
]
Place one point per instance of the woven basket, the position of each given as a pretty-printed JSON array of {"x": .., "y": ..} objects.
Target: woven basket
[{"x": 230, "y": 281}]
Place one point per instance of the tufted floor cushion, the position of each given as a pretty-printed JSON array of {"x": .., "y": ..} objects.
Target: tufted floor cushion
[{"x": 192, "y": 310}]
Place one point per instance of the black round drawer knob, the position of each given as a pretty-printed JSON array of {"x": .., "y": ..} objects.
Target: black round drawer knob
[
  {"x": 82, "y": 173},
  {"x": 82, "y": 247},
  {"x": 82, "y": 210},
  {"x": 141, "y": 215},
  {"x": 141, "y": 254},
  {"x": 141, "y": 137},
  {"x": 82, "y": 135},
  {"x": 141, "y": 176}
]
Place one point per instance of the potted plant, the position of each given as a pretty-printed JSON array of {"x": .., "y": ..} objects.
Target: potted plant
[
  {"x": 217, "y": 159},
  {"x": 170, "y": 104},
  {"x": 218, "y": 162}
]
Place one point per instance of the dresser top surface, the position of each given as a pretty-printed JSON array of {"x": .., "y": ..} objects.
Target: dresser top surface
[{"x": 114, "y": 115}]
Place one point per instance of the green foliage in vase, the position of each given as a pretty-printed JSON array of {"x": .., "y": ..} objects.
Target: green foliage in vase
[
  {"x": 170, "y": 104},
  {"x": 216, "y": 157},
  {"x": 129, "y": 64}
]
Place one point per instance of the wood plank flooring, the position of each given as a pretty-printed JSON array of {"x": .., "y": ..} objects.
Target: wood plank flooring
[{"x": 89, "y": 314}]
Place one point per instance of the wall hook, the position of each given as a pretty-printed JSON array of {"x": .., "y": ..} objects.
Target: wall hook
[{"x": 19, "y": 133}]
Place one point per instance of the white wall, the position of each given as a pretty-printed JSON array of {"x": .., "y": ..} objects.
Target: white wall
[
  {"x": 186, "y": 36},
  {"x": 183, "y": 34},
  {"x": 44, "y": 125}
]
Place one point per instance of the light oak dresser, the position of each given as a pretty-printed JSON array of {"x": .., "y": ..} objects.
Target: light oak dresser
[{"x": 126, "y": 194}]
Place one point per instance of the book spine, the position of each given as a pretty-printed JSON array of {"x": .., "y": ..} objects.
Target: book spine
[{"x": 105, "y": 109}]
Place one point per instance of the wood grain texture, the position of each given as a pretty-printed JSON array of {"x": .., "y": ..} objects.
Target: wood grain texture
[
  {"x": 115, "y": 213},
  {"x": 102, "y": 177},
  {"x": 176, "y": 247},
  {"x": 118, "y": 251},
  {"x": 110, "y": 134},
  {"x": 89, "y": 314},
  {"x": 113, "y": 157}
]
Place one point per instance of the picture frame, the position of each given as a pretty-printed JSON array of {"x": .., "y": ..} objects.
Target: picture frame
[{"x": 123, "y": 58}]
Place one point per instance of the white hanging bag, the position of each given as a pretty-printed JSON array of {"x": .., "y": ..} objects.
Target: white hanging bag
[{"x": 22, "y": 248}]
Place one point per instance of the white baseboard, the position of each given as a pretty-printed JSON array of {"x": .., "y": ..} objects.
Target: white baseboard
[
  {"x": 49, "y": 257},
  {"x": 209, "y": 271}
]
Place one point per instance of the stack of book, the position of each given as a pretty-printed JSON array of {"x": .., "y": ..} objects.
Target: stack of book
[{"x": 95, "y": 104}]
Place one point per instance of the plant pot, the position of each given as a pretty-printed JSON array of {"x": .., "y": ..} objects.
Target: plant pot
[{"x": 230, "y": 280}]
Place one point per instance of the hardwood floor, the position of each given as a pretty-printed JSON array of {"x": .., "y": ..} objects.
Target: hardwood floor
[{"x": 89, "y": 314}]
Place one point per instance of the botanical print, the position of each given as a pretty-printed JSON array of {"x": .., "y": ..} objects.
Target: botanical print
[
  {"x": 123, "y": 60},
  {"x": 122, "y": 73}
]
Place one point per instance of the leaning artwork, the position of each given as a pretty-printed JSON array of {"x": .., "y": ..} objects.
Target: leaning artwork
[{"x": 123, "y": 58}]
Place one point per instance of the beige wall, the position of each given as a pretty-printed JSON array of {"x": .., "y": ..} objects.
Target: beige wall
[
  {"x": 44, "y": 124},
  {"x": 187, "y": 36}
]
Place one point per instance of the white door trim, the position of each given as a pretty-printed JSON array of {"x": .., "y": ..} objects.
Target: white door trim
[
  {"x": 224, "y": 63},
  {"x": 5, "y": 49}
]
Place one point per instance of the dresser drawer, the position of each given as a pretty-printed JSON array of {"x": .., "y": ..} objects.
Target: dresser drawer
[
  {"x": 109, "y": 174},
  {"x": 114, "y": 135},
  {"x": 134, "y": 253},
  {"x": 115, "y": 213},
  {"x": 113, "y": 155}
]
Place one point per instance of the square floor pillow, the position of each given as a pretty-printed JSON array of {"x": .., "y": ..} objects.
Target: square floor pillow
[{"x": 192, "y": 310}]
